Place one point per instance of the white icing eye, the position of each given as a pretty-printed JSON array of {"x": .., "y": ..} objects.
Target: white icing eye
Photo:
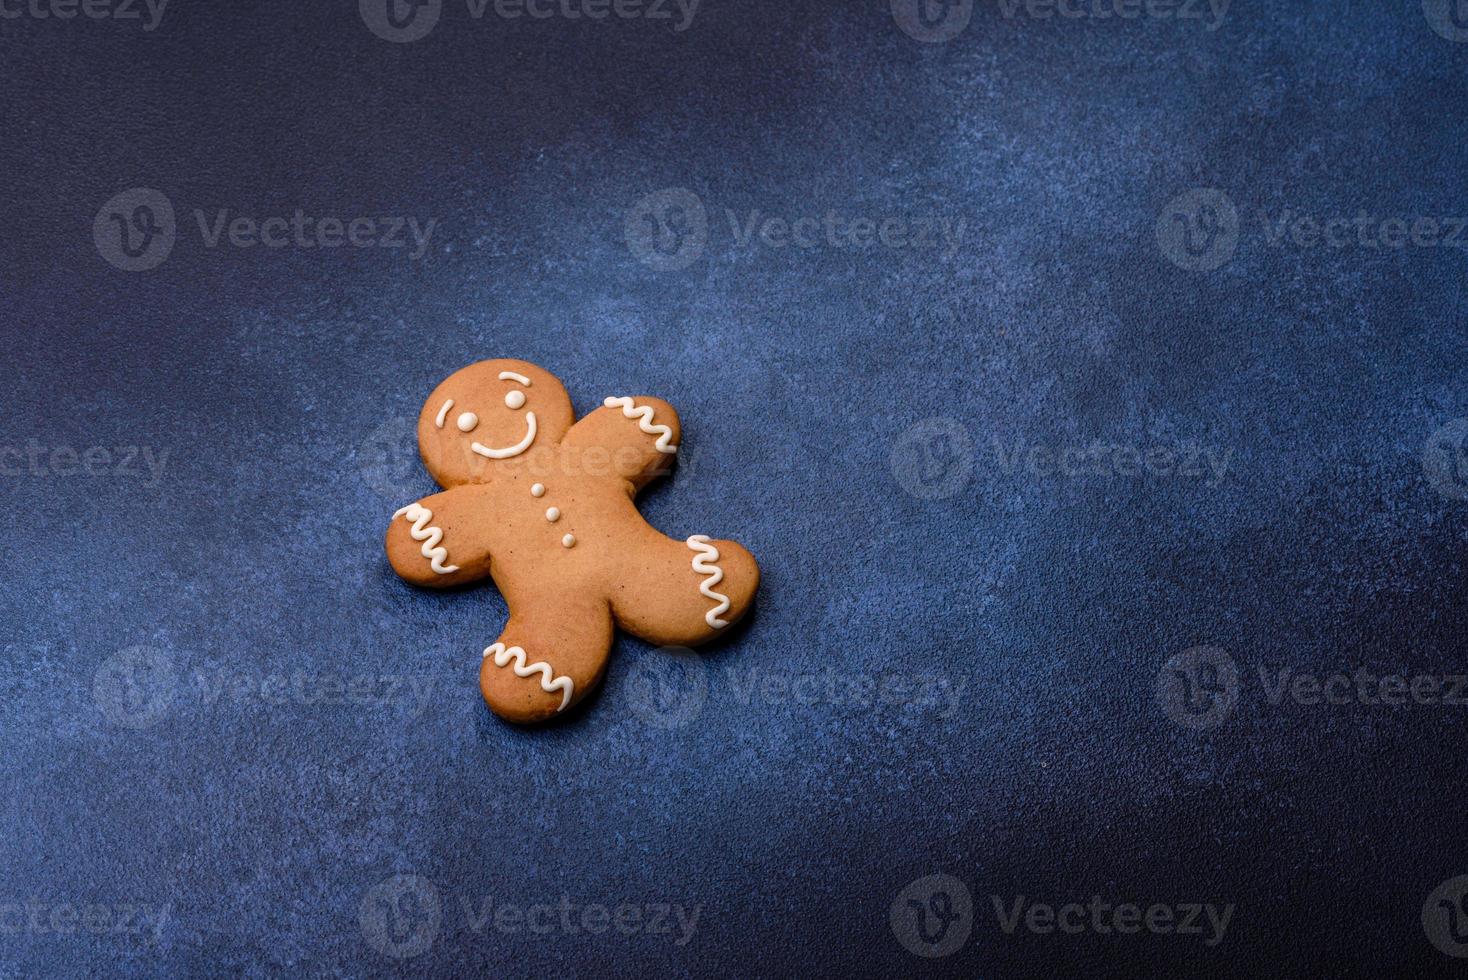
[
  {"x": 515, "y": 399},
  {"x": 468, "y": 421}
]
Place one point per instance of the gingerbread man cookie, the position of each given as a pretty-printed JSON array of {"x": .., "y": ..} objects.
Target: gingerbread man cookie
[{"x": 543, "y": 505}]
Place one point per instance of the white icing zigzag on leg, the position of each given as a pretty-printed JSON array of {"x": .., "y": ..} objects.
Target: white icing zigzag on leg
[
  {"x": 643, "y": 416},
  {"x": 549, "y": 683},
  {"x": 707, "y": 553},
  {"x": 429, "y": 535}
]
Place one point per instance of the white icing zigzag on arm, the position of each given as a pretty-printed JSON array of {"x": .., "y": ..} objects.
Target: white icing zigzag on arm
[
  {"x": 643, "y": 416},
  {"x": 707, "y": 553},
  {"x": 429, "y": 535},
  {"x": 549, "y": 683}
]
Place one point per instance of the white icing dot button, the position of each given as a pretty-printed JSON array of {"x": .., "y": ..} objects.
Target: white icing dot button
[
  {"x": 569, "y": 541},
  {"x": 538, "y": 490},
  {"x": 553, "y": 515},
  {"x": 468, "y": 421}
]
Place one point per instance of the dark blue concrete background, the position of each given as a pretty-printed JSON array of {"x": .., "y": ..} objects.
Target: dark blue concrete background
[{"x": 280, "y": 384}]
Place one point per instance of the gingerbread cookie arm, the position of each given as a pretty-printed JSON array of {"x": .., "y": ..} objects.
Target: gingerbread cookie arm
[
  {"x": 635, "y": 438},
  {"x": 683, "y": 593},
  {"x": 442, "y": 540}
]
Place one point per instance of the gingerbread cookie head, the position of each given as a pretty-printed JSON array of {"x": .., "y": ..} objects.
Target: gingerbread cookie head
[{"x": 488, "y": 413}]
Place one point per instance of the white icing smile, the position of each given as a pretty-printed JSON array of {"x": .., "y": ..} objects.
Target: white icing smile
[{"x": 509, "y": 451}]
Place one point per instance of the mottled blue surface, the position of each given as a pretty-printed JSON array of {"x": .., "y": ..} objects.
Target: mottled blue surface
[{"x": 878, "y": 424}]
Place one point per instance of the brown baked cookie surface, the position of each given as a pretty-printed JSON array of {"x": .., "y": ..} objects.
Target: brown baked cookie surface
[{"x": 544, "y": 505}]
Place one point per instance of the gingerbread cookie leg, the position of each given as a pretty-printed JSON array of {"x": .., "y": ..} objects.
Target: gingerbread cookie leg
[
  {"x": 682, "y": 593},
  {"x": 552, "y": 653}
]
